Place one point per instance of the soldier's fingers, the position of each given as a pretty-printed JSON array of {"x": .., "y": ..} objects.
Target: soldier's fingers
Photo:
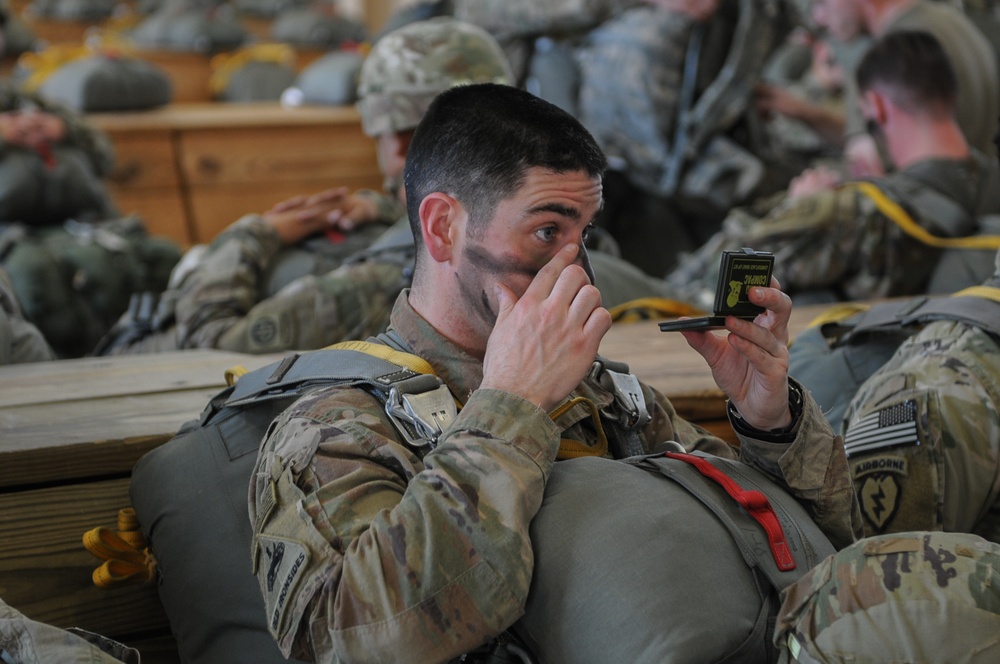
[
  {"x": 546, "y": 278},
  {"x": 329, "y": 195}
]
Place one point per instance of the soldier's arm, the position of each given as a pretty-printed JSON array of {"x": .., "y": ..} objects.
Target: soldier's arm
[
  {"x": 223, "y": 285},
  {"x": 385, "y": 558},
  {"x": 809, "y": 460}
]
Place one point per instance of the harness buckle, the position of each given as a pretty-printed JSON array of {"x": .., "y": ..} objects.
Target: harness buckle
[
  {"x": 420, "y": 412},
  {"x": 627, "y": 392}
]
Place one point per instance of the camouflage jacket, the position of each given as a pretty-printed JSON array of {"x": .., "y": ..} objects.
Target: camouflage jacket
[
  {"x": 896, "y": 598},
  {"x": 94, "y": 143},
  {"x": 369, "y": 550},
  {"x": 839, "y": 240},
  {"x": 947, "y": 475},
  {"x": 221, "y": 301}
]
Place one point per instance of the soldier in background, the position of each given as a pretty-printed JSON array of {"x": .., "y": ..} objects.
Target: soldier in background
[
  {"x": 849, "y": 242},
  {"x": 666, "y": 88},
  {"x": 237, "y": 293},
  {"x": 74, "y": 262},
  {"x": 969, "y": 52}
]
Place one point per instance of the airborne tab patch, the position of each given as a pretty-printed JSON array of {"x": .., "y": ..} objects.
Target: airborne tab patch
[{"x": 877, "y": 481}]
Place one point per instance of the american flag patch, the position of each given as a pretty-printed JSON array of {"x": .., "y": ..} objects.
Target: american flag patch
[{"x": 889, "y": 427}]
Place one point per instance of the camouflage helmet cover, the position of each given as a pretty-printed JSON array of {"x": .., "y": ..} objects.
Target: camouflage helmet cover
[{"x": 410, "y": 66}]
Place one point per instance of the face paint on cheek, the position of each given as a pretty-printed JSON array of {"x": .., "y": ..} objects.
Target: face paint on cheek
[{"x": 483, "y": 271}]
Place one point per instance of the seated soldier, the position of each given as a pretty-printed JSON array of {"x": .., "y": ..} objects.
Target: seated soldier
[
  {"x": 367, "y": 547},
  {"x": 225, "y": 296},
  {"x": 968, "y": 50},
  {"x": 73, "y": 260},
  {"x": 876, "y": 238}
]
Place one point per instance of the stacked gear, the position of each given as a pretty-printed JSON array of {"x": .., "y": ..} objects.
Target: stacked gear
[{"x": 75, "y": 279}]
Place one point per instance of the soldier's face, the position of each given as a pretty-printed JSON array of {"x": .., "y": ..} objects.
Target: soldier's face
[
  {"x": 841, "y": 18},
  {"x": 548, "y": 212}
]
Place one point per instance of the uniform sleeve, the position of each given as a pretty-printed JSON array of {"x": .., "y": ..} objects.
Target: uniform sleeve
[
  {"x": 390, "y": 208},
  {"x": 220, "y": 305},
  {"x": 384, "y": 558},
  {"x": 839, "y": 240},
  {"x": 223, "y": 284},
  {"x": 813, "y": 468}
]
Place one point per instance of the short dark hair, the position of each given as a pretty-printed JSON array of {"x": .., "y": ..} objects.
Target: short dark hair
[
  {"x": 914, "y": 71},
  {"x": 476, "y": 143}
]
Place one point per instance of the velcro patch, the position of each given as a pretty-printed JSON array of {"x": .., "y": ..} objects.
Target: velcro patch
[
  {"x": 887, "y": 427},
  {"x": 283, "y": 563}
]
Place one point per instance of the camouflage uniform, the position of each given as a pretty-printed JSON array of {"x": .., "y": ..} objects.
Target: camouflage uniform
[
  {"x": 910, "y": 597},
  {"x": 840, "y": 243},
  {"x": 20, "y": 341},
  {"x": 218, "y": 304},
  {"x": 25, "y": 640},
  {"x": 938, "y": 467},
  {"x": 369, "y": 550}
]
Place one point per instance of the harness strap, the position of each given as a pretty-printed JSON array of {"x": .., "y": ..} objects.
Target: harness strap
[
  {"x": 970, "y": 305},
  {"x": 899, "y": 216},
  {"x": 754, "y": 502}
]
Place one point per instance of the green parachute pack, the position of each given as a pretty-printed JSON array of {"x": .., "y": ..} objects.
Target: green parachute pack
[{"x": 190, "y": 497}]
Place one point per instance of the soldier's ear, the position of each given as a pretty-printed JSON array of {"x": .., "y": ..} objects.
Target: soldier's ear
[
  {"x": 442, "y": 219},
  {"x": 874, "y": 105}
]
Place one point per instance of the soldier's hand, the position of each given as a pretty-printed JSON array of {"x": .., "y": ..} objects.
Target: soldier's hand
[
  {"x": 750, "y": 364},
  {"x": 31, "y": 129},
  {"x": 812, "y": 181},
  {"x": 544, "y": 342}
]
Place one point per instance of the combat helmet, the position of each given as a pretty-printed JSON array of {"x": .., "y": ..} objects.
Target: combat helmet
[{"x": 408, "y": 67}]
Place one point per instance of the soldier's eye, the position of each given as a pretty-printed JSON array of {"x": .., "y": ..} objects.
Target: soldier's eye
[
  {"x": 547, "y": 234},
  {"x": 586, "y": 233}
]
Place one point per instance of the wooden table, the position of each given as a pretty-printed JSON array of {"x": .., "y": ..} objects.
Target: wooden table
[
  {"x": 70, "y": 432},
  {"x": 189, "y": 170}
]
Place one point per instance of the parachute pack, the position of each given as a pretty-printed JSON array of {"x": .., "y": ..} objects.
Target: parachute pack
[{"x": 190, "y": 496}]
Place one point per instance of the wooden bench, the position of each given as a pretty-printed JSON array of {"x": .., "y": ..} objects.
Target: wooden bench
[
  {"x": 71, "y": 430},
  {"x": 189, "y": 170}
]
